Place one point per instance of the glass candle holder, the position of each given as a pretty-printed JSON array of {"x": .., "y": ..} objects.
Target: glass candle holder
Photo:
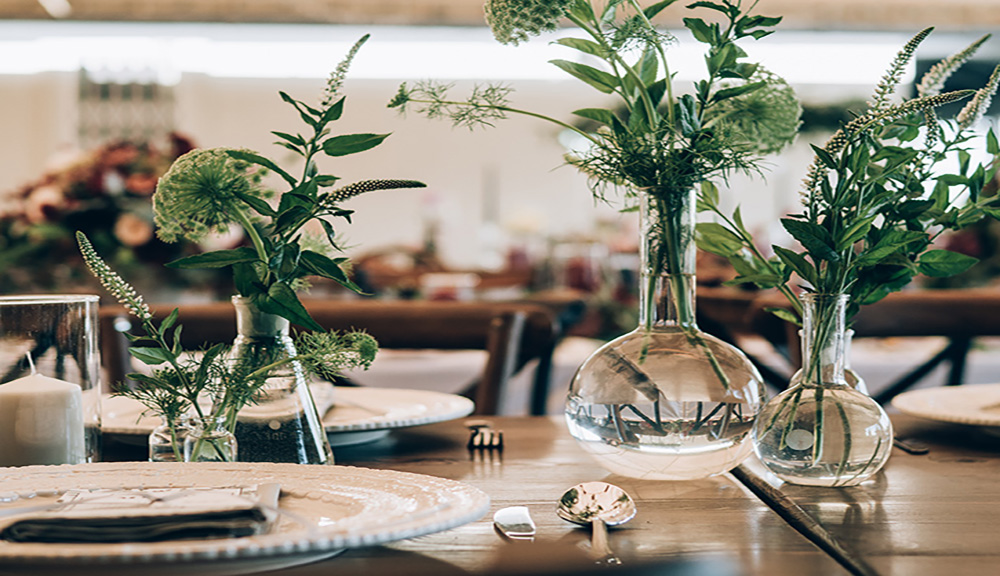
[{"x": 50, "y": 393}]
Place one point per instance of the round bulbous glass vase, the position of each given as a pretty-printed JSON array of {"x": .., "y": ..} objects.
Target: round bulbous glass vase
[
  {"x": 282, "y": 424},
  {"x": 853, "y": 379},
  {"x": 666, "y": 401},
  {"x": 207, "y": 440},
  {"x": 822, "y": 431},
  {"x": 652, "y": 405}
]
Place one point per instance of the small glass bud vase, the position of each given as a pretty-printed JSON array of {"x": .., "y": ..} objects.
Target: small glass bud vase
[
  {"x": 282, "y": 424},
  {"x": 666, "y": 401},
  {"x": 822, "y": 431},
  {"x": 207, "y": 440},
  {"x": 166, "y": 444}
]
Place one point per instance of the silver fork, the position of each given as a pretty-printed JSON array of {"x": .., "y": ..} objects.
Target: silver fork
[{"x": 485, "y": 438}]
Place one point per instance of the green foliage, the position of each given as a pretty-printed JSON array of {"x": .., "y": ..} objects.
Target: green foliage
[
  {"x": 178, "y": 380},
  {"x": 212, "y": 189},
  {"x": 649, "y": 138},
  {"x": 877, "y": 196}
]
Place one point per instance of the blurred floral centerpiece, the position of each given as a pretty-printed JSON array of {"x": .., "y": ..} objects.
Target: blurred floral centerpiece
[
  {"x": 257, "y": 388},
  {"x": 105, "y": 193},
  {"x": 665, "y": 401}
]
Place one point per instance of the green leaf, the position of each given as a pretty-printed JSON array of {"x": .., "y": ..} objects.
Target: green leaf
[
  {"x": 717, "y": 239},
  {"x": 991, "y": 143},
  {"x": 246, "y": 279},
  {"x": 282, "y": 300},
  {"x": 813, "y": 237},
  {"x": 150, "y": 356},
  {"x": 291, "y": 218},
  {"x": 169, "y": 321},
  {"x": 599, "y": 79},
  {"x": 825, "y": 157},
  {"x": 797, "y": 263},
  {"x": 858, "y": 230},
  {"x": 702, "y": 31},
  {"x": 351, "y": 143},
  {"x": 259, "y": 160},
  {"x": 941, "y": 263},
  {"x": 323, "y": 266},
  {"x": 259, "y": 205},
  {"x": 326, "y": 180},
  {"x": 726, "y": 93},
  {"x": 585, "y": 46},
  {"x": 601, "y": 115},
  {"x": 334, "y": 112},
  {"x": 300, "y": 107},
  {"x": 785, "y": 314},
  {"x": 216, "y": 259},
  {"x": 293, "y": 138},
  {"x": 654, "y": 9},
  {"x": 888, "y": 245}
]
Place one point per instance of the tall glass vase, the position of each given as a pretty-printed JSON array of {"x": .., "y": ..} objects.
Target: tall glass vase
[
  {"x": 281, "y": 424},
  {"x": 666, "y": 400},
  {"x": 822, "y": 431}
]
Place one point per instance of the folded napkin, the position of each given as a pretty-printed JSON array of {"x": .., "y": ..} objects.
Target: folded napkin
[{"x": 147, "y": 515}]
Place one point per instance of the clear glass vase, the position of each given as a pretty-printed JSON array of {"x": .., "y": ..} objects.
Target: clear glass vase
[
  {"x": 666, "y": 401},
  {"x": 853, "y": 379},
  {"x": 282, "y": 423},
  {"x": 822, "y": 431},
  {"x": 166, "y": 444},
  {"x": 207, "y": 440}
]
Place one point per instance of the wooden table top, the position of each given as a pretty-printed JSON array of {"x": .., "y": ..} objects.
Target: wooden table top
[
  {"x": 924, "y": 514},
  {"x": 716, "y": 524}
]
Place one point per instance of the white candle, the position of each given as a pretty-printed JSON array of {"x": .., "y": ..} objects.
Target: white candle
[{"x": 41, "y": 422}]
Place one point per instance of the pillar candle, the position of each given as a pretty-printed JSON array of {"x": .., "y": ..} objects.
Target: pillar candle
[{"x": 41, "y": 422}]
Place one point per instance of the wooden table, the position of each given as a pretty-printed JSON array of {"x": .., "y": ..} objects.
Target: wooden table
[
  {"x": 715, "y": 524},
  {"x": 923, "y": 515}
]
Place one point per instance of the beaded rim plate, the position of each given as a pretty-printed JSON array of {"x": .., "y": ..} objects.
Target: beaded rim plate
[
  {"x": 973, "y": 404},
  {"x": 330, "y": 508},
  {"x": 357, "y": 414}
]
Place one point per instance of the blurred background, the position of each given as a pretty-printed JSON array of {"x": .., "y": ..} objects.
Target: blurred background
[{"x": 99, "y": 96}]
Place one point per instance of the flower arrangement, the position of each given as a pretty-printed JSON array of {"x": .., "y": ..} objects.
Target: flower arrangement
[
  {"x": 875, "y": 199},
  {"x": 665, "y": 400},
  {"x": 106, "y": 193},
  {"x": 212, "y": 189}
]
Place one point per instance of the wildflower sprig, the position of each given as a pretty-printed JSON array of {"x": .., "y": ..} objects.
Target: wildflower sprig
[
  {"x": 212, "y": 189},
  {"x": 876, "y": 196}
]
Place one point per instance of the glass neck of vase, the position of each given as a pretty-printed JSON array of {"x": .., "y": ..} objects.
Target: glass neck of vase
[
  {"x": 824, "y": 337},
  {"x": 667, "y": 258},
  {"x": 252, "y": 322}
]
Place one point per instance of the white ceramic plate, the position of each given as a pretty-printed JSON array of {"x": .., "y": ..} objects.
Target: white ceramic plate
[
  {"x": 343, "y": 507},
  {"x": 974, "y": 404},
  {"x": 357, "y": 415}
]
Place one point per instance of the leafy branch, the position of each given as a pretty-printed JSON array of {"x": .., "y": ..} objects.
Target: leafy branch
[{"x": 212, "y": 189}]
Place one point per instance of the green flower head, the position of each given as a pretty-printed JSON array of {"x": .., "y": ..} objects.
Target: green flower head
[
  {"x": 201, "y": 194},
  {"x": 513, "y": 21},
  {"x": 768, "y": 118}
]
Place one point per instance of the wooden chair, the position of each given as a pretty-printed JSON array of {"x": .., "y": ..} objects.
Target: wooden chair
[{"x": 511, "y": 333}]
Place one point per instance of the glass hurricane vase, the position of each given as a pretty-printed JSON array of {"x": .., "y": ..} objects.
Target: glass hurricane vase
[
  {"x": 666, "y": 400},
  {"x": 282, "y": 423},
  {"x": 822, "y": 431}
]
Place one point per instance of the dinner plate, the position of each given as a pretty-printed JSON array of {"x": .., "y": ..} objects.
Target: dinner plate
[
  {"x": 325, "y": 509},
  {"x": 974, "y": 404},
  {"x": 355, "y": 414}
]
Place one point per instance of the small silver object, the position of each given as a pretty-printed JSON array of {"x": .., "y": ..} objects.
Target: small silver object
[
  {"x": 599, "y": 505},
  {"x": 515, "y": 523}
]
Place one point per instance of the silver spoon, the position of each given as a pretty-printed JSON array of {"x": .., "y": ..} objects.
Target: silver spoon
[{"x": 600, "y": 505}]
